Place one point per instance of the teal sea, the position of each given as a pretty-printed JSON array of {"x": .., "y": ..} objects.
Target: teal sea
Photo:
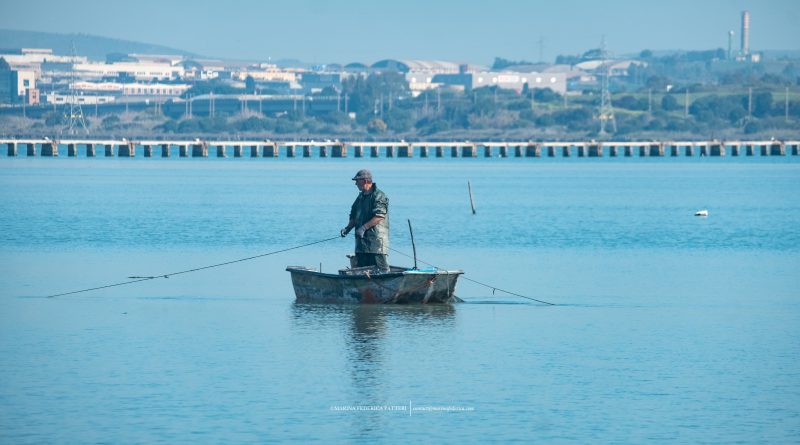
[{"x": 666, "y": 328}]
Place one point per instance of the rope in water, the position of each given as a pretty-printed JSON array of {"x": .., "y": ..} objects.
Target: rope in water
[
  {"x": 139, "y": 279},
  {"x": 493, "y": 288}
]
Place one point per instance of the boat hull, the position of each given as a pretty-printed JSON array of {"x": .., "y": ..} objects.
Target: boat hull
[{"x": 400, "y": 286}]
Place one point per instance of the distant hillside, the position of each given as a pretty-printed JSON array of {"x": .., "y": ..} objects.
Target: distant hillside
[{"x": 94, "y": 47}]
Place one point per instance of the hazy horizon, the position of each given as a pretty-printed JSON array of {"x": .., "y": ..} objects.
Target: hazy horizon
[{"x": 363, "y": 31}]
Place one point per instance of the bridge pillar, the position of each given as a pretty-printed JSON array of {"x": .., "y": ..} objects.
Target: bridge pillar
[
  {"x": 306, "y": 151},
  {"x": 795, "y": 149},
  {"x": 390, "y": 151},
  {"x": 374, "y": 151},
  {"x": 614, "y": 151},
  {"x": 50, "y": 149},
  {"x": 504, "y": 151},
  {"x": 595, "y": 151},
  {"x": 454, "y": 151},
  {"x": 31, "y": 149},
  {"x": 657, "y": 150},
  {"x": 628, "y": 151},
  {"x": 777, "y": 149},
  {"x": 110, "y": 150},
  {"x": 405, "y": 151},
  {"x": 749, "y": 150},
  {"x": 12, "y": 149},
  {"x": 270, "y": 150},
  {"x": 439, "y": 151},
  {"x": 533, "y": 151},
  {"x": 716, "y": 150},
  {"x": 643, "y": 152},
  {"x": 222, "y": 151},
  {"x": 551, "y": 151},
  {"x": 339, "y": 151},
  {"x": 90, "y": 151},
  {"x": 565, "y": 151},
  {"x": 518, "y": 151},
  {"x": 127, "y": 150},
  {"x": 674, "y": 150},
  {"x": 581, "y": 151},
  {"x": 254, "y": 151},
  {"x": 148, "y": 151},
  {"x": 291, "y": 151},
  {"x": 423, "y": 151},
  {"x": 183, "y": 151},
  {"x": 165, "y": 150},
  {"x": 200, "y": 150},
  {"x": 703, "y": 150},
  {"x": 735, "y": 149},
  {"x": 72, "y": 150},
  {"x": 323, "y": 151},
  {"x": 487, "y": 151},
  {"x": 689, "y": 150},
  {"x": 359, "y": 151}
]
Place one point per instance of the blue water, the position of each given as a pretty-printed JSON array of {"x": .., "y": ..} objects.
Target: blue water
[{"x": 668, "y": 327}]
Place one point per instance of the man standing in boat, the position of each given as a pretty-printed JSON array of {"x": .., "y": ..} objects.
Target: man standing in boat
[{"x": 369, "y": 215}]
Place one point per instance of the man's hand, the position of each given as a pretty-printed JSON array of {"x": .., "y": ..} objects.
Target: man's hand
[
  {"x": 360, "y": 232},
  {"x": 344, "y": 232}
]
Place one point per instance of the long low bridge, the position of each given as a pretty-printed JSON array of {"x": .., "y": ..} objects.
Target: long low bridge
[{"x": 465, "y": 149}]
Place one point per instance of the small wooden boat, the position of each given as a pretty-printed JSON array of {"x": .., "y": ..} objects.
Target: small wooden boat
[{"x": 363, "y": 285}]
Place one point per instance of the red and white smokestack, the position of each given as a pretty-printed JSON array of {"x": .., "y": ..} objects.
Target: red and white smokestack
[{"x": 745, "y": 33}]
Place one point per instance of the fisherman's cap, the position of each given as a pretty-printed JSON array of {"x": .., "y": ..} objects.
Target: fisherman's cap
[{"x": 363, "y": 174}]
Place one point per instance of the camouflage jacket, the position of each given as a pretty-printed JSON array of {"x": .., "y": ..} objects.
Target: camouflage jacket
[{"x": 365, "y": 207}]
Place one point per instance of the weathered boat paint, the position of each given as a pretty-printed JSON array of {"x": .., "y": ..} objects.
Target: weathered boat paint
[{"x": 361, "y": 286}]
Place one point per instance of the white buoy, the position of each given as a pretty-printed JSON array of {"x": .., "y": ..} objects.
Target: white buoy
[{"x": 701, "y": 213}]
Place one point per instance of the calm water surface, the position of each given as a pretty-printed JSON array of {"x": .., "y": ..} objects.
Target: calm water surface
[{"x": 668, "y": 327}]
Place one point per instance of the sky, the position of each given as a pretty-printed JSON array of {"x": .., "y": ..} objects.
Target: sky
[{"x": 464, "y": 31}]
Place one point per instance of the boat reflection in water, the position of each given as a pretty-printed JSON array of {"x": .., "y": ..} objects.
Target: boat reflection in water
[{"x": 367, "y": 332}]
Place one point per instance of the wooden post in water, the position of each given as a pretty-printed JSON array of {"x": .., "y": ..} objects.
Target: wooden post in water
[{"x": 471, "y": 201}]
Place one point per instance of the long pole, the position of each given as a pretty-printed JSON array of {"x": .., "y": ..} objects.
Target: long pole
[
  {"x": 471, "y": 202},
  {"x": 413, "y": 245}
]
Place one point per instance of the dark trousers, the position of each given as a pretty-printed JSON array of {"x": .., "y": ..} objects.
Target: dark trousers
[{"x": 378, "y": 260}]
